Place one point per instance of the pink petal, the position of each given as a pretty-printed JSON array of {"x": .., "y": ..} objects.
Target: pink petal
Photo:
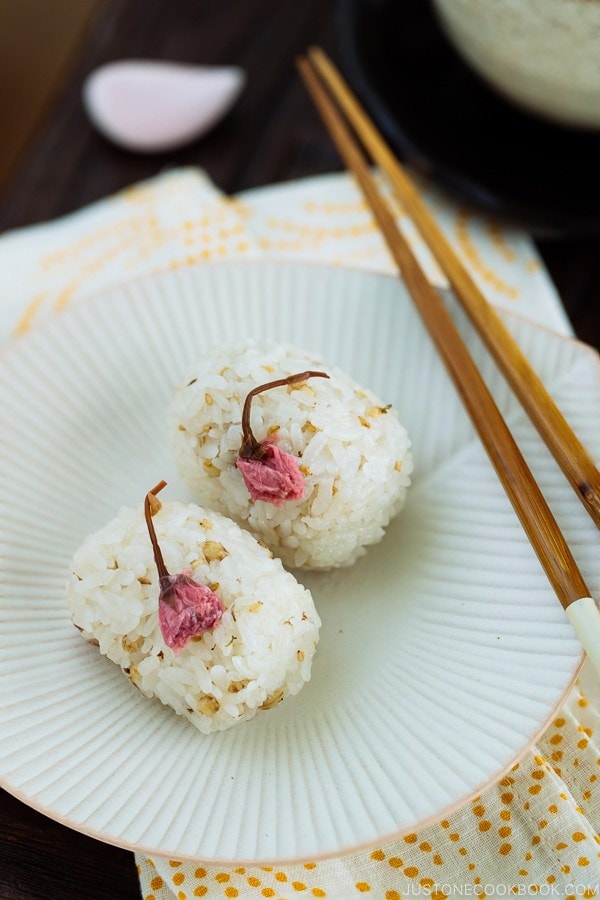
[
  {"x": 274, "y": 478},
  {"x": 186, "y": 609}
]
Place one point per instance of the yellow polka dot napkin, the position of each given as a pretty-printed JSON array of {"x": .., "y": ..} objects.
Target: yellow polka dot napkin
[{"x": 534, "y": 833}]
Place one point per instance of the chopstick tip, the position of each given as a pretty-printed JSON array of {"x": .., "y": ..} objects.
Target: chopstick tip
[
  {"x": 317, "y": 55},
  {"x": 303, "y": 65}
]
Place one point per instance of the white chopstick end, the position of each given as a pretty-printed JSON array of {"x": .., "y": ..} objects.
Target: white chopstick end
[{"x": 585, "y": 619}]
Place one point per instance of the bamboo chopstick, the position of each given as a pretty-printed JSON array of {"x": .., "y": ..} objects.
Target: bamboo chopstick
[
  {"x": 560, "y": 439},
  {"x": 519, "y": 484}
]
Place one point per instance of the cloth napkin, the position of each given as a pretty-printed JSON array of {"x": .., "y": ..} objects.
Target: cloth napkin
[{"x": 535, "y": 832}]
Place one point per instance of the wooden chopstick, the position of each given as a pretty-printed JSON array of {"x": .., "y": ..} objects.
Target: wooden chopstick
[
  {"x": 517, "y": 480},
  {"x": 571, "y": 456},
  {"x": 519, "y": 484}
]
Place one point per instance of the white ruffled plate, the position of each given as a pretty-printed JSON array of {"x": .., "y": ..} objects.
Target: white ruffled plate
[{"x": 443, "y": 651}]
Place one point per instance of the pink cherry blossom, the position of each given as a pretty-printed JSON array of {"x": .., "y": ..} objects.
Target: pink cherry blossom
[
  {"x": 186, "y": 609},
  {"x": 275, "y": 477},
  {"x": 270, "y": 474}
]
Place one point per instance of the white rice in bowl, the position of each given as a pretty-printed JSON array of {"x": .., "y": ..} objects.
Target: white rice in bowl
[
  {"x": 259, "y": 653},
  {"x": 352, "y": 450}
]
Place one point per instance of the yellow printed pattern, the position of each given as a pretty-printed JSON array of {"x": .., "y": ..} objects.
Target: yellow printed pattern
[
  {"x": 173, "y": 221},
  {"x": 179, "y": 219}
]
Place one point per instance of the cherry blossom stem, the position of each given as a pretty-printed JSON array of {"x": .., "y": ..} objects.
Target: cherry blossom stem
[
  {"x": 251, "y": 448},
  {"x": 158, "y": 557}
]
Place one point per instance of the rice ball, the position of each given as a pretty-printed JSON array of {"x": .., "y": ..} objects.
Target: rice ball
[
  {"x": 260, "y": 651},
  {"x": 350, "y": 449}
]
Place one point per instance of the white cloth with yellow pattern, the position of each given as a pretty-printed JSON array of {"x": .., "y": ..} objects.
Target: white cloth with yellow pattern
[{"x": 536, "y": 831}]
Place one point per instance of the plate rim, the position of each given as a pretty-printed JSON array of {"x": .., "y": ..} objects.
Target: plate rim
[
  {"x": 390, "y": 837},
  {"x": 14, "y": 346}
]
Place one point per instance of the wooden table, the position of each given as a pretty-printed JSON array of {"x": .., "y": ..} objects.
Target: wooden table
[{"x": 271, "y": 135}]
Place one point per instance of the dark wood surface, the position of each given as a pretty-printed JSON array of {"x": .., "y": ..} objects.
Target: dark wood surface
[
  {"x": 271, "y": 135},
  {"x": 36, "y": 44}
]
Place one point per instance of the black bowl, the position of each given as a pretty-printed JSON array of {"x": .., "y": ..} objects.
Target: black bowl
[{"x": 446, "y": 122}]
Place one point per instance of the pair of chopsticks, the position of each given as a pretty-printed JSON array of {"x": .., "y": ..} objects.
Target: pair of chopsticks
[{"x": 340, "y": 110}]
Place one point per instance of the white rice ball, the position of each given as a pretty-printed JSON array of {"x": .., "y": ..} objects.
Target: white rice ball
[
  {"x": 259, "y": 653},
  {"x": 352, "y": 450}
]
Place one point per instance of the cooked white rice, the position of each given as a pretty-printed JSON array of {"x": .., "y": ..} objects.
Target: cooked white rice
[
  {"x": 260, "y": 652},
  {"x": 354, "y": 453}
]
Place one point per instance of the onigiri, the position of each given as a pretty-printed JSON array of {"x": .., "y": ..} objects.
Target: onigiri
[
  {"x": 228, "y": 634},
  {"x": 317, "y": 466}
]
